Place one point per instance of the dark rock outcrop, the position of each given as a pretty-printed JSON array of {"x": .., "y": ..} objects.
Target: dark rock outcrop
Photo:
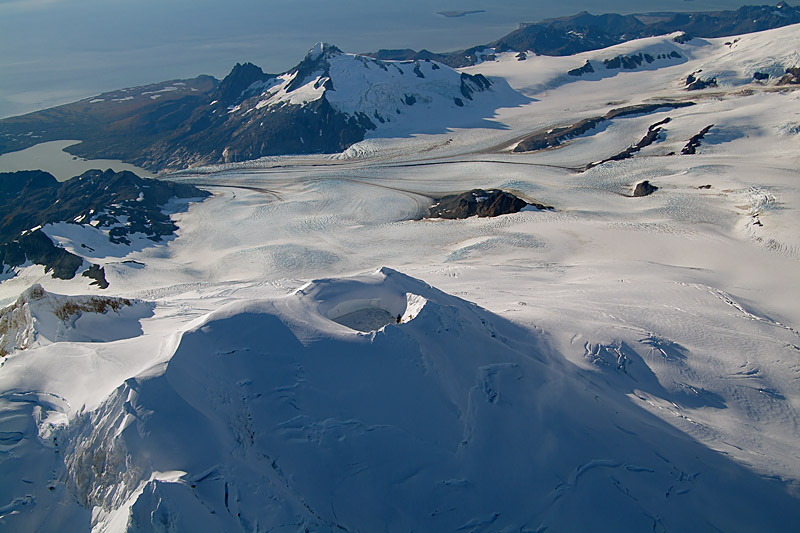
[
  {"x": 98, "y": 274},
  {"x": 236, "y": 85},
  {"x": 36, "y": 247},
  {"x": 694, "y": 141},
  {"x": 556, "y": 136},
  {"x": 650, "y": 137},
  {"x": 792, "y": 77},
  {"x": 478, "y": 202},
  {"x": 694, "y": 83},
  {"x": 625, "y": 62},
  {"x": 105, "y": 197},
  {"x": 121, "y": 202},
  {"x": 644, "y": 188},
  {"x": 683, "y": 38},
  {"x": 580, "y": 71},
  {"x": 635, "y": 61}
]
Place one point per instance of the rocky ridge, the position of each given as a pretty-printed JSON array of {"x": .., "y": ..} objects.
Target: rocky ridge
[
  {"x": 583, "y": 32},
  {"x": 556, "y": 136},
  {"x": 119, "y": 204},
  {"x": 479, "y": 202},
  {"x": 327, "y": 103}
]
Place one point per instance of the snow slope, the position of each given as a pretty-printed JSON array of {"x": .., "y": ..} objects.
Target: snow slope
[
  {"x": 731, "y": 60},
  {"x": 271, "y": 416},
  {"x": 617, "y": 363}
]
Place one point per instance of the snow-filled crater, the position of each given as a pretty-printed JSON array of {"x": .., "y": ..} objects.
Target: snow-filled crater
[
  {"x": 374, "y": 313},
  {"x": 364, "y": 303}
]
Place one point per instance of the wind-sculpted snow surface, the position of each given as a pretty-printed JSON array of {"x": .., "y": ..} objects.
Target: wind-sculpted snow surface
[{"x": 272, "y": 416}]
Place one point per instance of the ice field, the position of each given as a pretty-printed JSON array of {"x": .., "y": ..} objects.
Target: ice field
[{"x": 617, "y": 363}]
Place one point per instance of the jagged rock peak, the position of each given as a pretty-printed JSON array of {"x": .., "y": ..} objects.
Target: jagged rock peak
[
  {"x": 34, "y": 292},
  {"x": 40, "y": 317},
  {"x": 315, "y": 63},
  {"x": 233, "y": 88},
  {"x": 322, "y": 49}
]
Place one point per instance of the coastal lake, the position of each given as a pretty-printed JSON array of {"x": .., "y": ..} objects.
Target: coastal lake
[{"x": 52, "y": 158}]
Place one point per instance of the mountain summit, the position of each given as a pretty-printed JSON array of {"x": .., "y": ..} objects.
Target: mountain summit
[
  {"x": 307, "y": 412},
  {"x": 328, "y": 102}
]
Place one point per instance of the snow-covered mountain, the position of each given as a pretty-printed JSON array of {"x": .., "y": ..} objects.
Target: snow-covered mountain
[
  {"x": 332, "y": 100},
  {"x": 376, "y": 92},
  {"x": 565, "y": 36},
  {"x": 273, "y": 414},
  {"x": 750, "y": 59},
  {"x": 328, "y": 102}
]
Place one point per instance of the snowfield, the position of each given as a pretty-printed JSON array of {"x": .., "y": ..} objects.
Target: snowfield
[{"x": 310, "y": 353}]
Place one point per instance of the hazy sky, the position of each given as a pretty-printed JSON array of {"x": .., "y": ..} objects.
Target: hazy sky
[{"x": 56, "y": 51}]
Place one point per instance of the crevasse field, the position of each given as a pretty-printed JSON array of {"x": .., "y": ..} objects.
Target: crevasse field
[{"x": 615, "y": 364}]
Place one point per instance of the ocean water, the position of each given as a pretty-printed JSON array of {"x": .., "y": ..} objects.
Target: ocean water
[{"x": 58, "y": 51}]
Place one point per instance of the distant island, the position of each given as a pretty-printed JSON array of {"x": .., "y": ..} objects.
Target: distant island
[{"x": 452, "y": 14}]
